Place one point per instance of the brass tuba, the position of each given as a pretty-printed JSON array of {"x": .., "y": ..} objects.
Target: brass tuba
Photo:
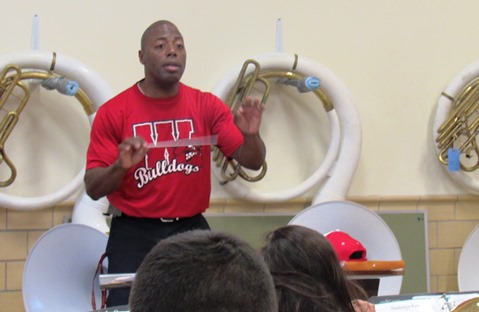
[
  {"x": 243, "y": 87},
  {"x": 14, "y": 96},
  {"x": 460, "y": 128}
]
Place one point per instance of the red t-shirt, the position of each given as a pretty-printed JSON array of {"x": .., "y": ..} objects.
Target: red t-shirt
[{"x": 169, "y": 182}]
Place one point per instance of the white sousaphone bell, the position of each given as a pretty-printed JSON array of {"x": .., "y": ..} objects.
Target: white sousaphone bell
[
  {"x": 59, "y": 273},
  {"x": 468, "y": 270}
]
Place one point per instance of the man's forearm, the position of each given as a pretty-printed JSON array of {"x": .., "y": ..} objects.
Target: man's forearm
[
  {"x": 102, "y": 181},
  {"x": 251, "y": 154}
]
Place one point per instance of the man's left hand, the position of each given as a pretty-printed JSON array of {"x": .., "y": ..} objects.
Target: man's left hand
[{"x": 248, "y": 116}]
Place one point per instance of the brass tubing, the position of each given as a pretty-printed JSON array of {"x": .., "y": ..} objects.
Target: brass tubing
[
  {"x": 458, "y": 106},
  {"x": 242, "y": 88},
  {"x": 12, "y": 77}
]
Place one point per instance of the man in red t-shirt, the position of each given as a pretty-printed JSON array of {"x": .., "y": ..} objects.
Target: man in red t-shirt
[{"x": 162, "y": 191}]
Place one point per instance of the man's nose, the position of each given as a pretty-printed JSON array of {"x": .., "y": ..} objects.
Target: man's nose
[{"x": 171, "y": 50}]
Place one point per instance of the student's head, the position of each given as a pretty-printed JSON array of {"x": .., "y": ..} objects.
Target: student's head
[
  {"x": 306, "y": 271},
  {"x": 203, "y": 271}
]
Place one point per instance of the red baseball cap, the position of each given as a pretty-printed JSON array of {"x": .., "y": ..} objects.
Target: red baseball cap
[{"x": 347, "y": 248}]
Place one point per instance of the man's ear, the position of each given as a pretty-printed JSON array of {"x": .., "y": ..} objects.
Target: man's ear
[{"x": 140, "y": 56}]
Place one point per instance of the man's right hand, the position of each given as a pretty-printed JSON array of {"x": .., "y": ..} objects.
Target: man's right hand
[
  {"x": 131, "y": 151},
  {"x": 102, "y": 181}
]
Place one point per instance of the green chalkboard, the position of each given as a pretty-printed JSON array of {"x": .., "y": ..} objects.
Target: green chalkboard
[{"x": 408, "y": 227}]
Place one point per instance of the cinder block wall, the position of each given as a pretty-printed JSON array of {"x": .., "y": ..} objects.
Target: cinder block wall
[{"x": 450, "y": 221}]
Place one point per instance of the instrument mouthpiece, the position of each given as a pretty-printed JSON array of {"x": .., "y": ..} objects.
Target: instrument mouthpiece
[
  {"x": 62, "y": 85},
  {"x": 303, "y": 85}
]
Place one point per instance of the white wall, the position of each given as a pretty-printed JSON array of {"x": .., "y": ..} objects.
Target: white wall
[{"x": 395, "y": 57}]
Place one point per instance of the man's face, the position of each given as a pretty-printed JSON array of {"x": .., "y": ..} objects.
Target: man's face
[{"x": 164, "y": 54}]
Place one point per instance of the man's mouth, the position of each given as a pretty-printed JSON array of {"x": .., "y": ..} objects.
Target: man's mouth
[{"x": 172, "y": 67}]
